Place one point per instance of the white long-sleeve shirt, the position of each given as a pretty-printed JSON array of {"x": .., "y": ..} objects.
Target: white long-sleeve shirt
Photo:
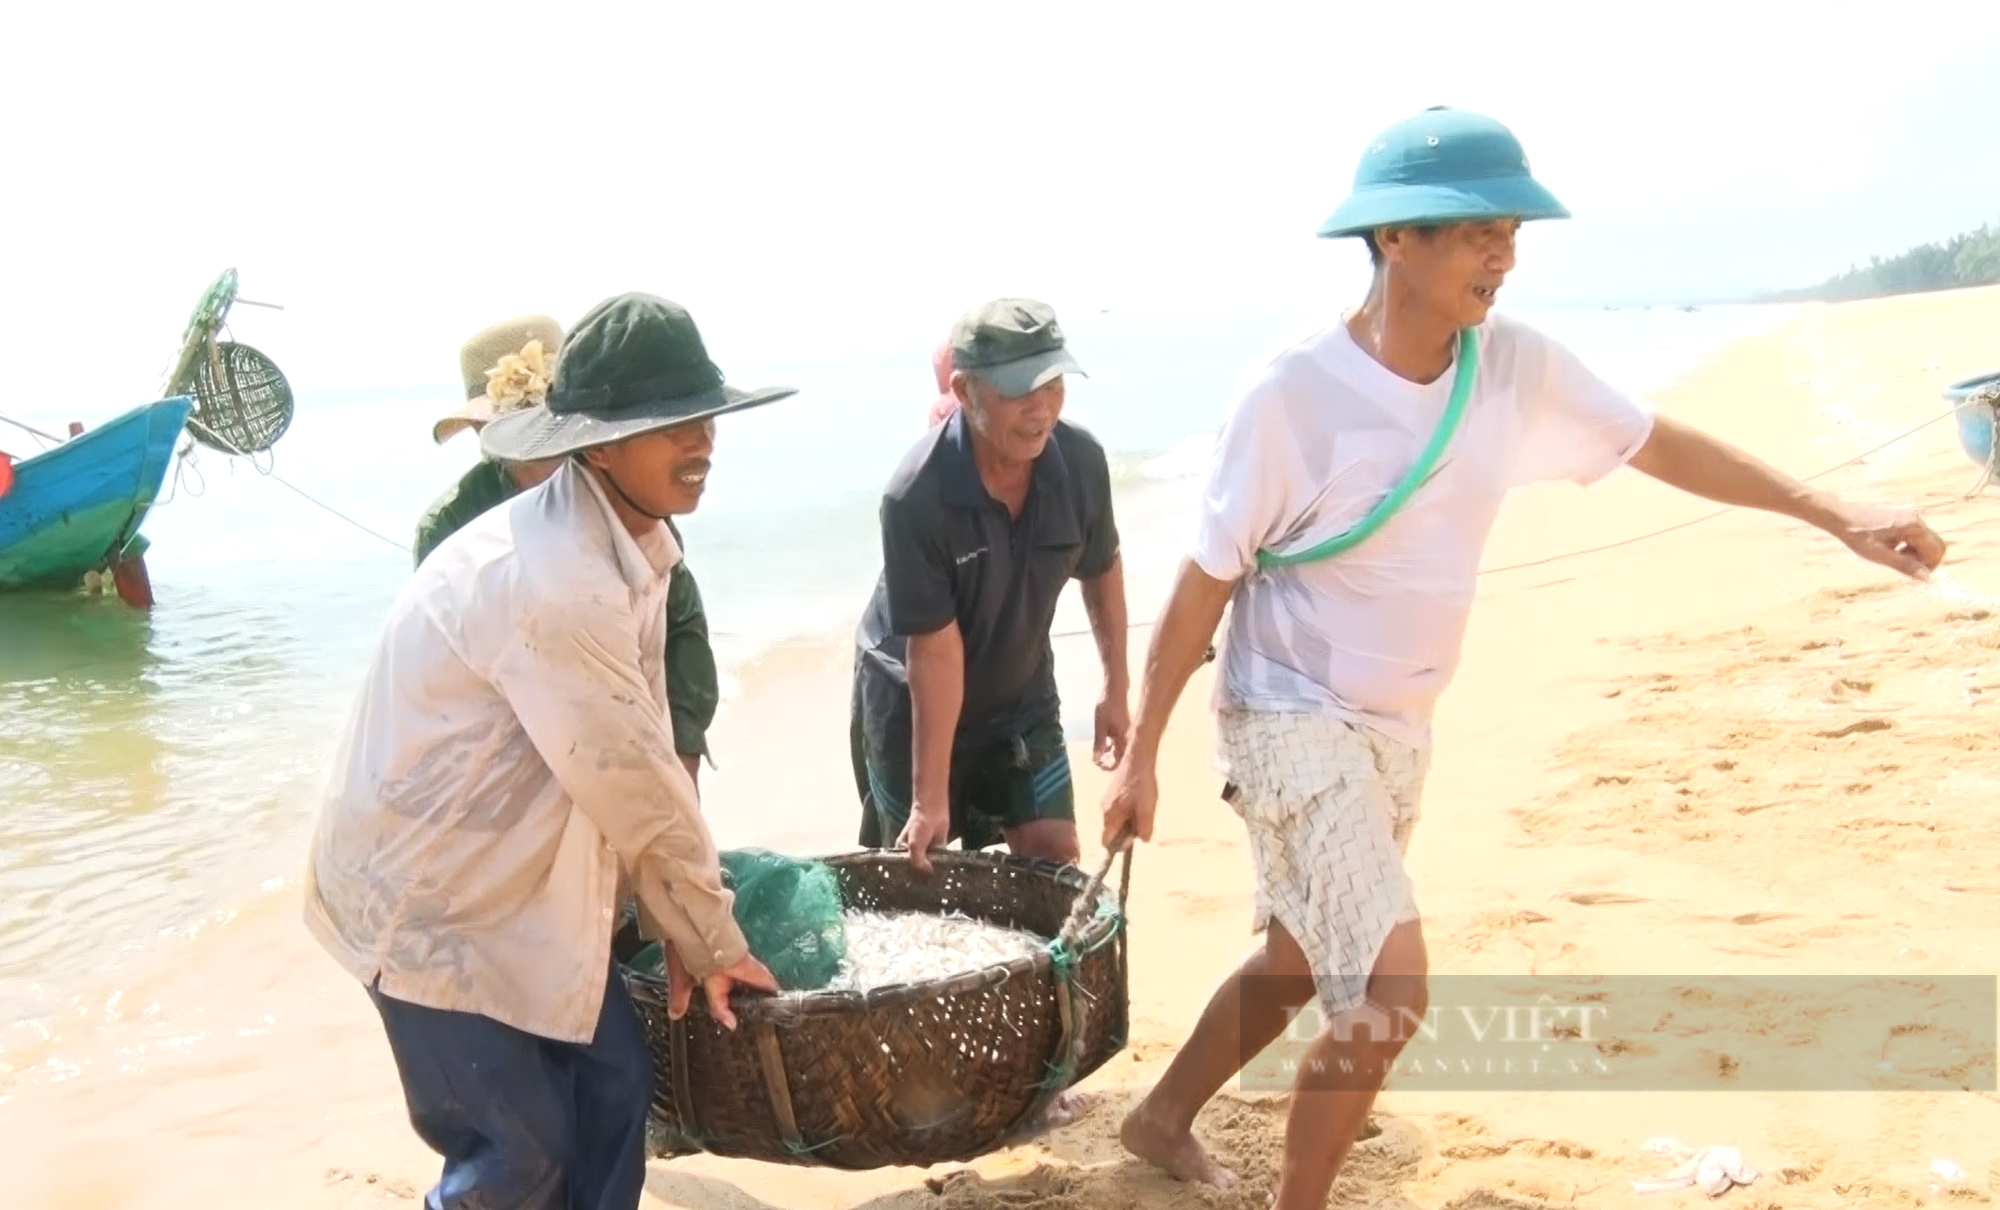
[{"x": 509, "y": 769}]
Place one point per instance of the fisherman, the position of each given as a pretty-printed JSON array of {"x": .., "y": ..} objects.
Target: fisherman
[
  {"x": 506, "y": 368},
  {"x": 1338, "y": 648},
  {"x": 508, "y": 780},
  {"x": 957, "y": 731}
]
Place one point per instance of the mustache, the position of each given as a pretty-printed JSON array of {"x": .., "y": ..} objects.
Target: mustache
[{"x": 691, "y": 467}]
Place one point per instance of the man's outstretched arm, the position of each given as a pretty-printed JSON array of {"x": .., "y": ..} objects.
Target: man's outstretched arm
[
  {"x": 1687, "y": 458},
  {"x": 1179, "y": 646}
]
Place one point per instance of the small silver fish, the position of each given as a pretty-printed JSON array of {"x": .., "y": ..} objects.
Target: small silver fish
[{"x": 917, "y": 947}]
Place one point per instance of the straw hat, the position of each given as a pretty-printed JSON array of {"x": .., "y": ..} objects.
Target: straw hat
[{"x": 506, "y": 367}]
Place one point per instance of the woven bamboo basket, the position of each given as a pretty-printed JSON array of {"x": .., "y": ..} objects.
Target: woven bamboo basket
[
  {"x": 905, "y": 1074},
  {"x": 242, "y": 402}
]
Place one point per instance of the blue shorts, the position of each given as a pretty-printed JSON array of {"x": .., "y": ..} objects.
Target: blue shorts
[{"x": 996, "y": 784}]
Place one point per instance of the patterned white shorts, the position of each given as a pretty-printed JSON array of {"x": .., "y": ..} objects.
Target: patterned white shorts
[{"x": 1329, "y": 807}]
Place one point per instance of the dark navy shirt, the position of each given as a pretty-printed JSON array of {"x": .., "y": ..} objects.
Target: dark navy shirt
[{"x": 951, "y": 552}]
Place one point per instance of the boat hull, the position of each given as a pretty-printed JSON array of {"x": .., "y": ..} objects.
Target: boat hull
[
  {"x": 1975, "y": 420},
  {"x": 77, "y": 508}
]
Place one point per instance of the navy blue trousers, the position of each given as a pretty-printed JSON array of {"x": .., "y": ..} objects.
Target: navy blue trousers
[{"x": 524, "y": 1123}]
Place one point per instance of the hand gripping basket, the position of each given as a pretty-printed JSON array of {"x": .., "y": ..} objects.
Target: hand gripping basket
[{"x": 912, "y": 1073}]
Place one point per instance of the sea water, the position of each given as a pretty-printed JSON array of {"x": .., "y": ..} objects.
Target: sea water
[{"x": 159, "y": 771}]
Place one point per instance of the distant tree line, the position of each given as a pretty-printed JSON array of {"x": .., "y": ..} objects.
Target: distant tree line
[{"x": 1968, "y": 259}]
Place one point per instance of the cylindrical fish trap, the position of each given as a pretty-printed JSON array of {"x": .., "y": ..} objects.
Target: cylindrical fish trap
[{"x": 909, "y": 1073}]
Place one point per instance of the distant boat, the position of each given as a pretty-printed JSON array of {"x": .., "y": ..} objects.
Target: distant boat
[
  {"x": 77, "y": 508},
  {"x": 70, "y": 516},
  {"x": 1976, "y": 401}
]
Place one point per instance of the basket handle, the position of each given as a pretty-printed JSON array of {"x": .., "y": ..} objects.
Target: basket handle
[{"x": 1080, "y": 914}]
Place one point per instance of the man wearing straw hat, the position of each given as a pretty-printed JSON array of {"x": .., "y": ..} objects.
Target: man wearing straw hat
[
  {"x": 1354, "y": 483},
  {"x": 508, "y": 779},
  {"x": 506, "y": 368}
]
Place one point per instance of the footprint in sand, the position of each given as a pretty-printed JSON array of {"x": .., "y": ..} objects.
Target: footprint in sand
[
  {"x": 1859, "y": 727},
  {"x": 1197, "y": 904},
  {"x": 1492, "y": 1199},
  {"x": 1759, "y": 917},
  {"x": 967, "y": 1189},
  {"x": 1922, "y": 1049},
  {"x": 1597, "y": 898},
  {"x": 1518, "y": 918},
  {"x": 373, "y": 1184},
  {"x": 1612, "y": 1048},
  {"x": 1475, "y": 1151}
]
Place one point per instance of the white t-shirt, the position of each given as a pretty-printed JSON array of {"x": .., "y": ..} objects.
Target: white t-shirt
[{"x": 1320, "y": 432}]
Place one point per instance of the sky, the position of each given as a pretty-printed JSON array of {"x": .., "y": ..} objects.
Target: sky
[{"x": 815, "y": 179}]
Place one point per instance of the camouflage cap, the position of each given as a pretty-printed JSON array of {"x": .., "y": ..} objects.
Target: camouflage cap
[{"x": 1014, "y": 344}]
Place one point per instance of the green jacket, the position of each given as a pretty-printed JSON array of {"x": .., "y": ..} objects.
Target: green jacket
[{"x": 692, "y": 689}]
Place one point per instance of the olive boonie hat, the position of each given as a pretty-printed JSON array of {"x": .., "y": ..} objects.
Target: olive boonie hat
[
  {"x": 1013, "y": 343},
  {"x": 1442, "y": 166},
  {"x": 635, "y": 363}
]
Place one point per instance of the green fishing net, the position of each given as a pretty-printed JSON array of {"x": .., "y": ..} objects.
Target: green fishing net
[{"x": 790, "y": 912}]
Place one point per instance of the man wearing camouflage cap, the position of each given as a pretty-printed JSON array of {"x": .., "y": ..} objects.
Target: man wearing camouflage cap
[{"x": 957, "y": 730}]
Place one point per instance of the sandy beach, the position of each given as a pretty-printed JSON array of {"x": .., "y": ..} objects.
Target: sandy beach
[{"x": 1731, "y": 748}]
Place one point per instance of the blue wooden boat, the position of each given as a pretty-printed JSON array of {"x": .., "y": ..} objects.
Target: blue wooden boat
[
  {"x": 1975, "y": 418},
  {"x": 77, "y": 508}
]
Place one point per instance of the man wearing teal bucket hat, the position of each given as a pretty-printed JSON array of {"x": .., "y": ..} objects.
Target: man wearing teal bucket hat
[
  {"x": 508, "y": 781},
  {"x": 1349, "y": 500}
]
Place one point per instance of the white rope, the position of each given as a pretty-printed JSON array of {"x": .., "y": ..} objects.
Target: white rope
[
  {"x": 270, "y": 472},
  {"x": 45, "y": 438}
]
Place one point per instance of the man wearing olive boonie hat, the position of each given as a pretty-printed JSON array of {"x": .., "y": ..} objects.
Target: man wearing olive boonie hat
[
  {"x": 506, "y": 368},
  {"x": 957, "y": 730},
  {"x": 508, "y": 781},
  {"x": 1353, "y": 486}
]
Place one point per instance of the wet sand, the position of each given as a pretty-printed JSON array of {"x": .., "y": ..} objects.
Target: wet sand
[{"x": 1732, "y": 748}]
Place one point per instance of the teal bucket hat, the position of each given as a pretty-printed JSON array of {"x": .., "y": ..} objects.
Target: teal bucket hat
[{"x": 1443, "y": 165}]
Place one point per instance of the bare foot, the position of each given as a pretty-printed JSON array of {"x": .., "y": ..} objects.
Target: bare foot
[
  {"x": 1176, "y": 1151},
  {"x": 1068, "y": 1106}
]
